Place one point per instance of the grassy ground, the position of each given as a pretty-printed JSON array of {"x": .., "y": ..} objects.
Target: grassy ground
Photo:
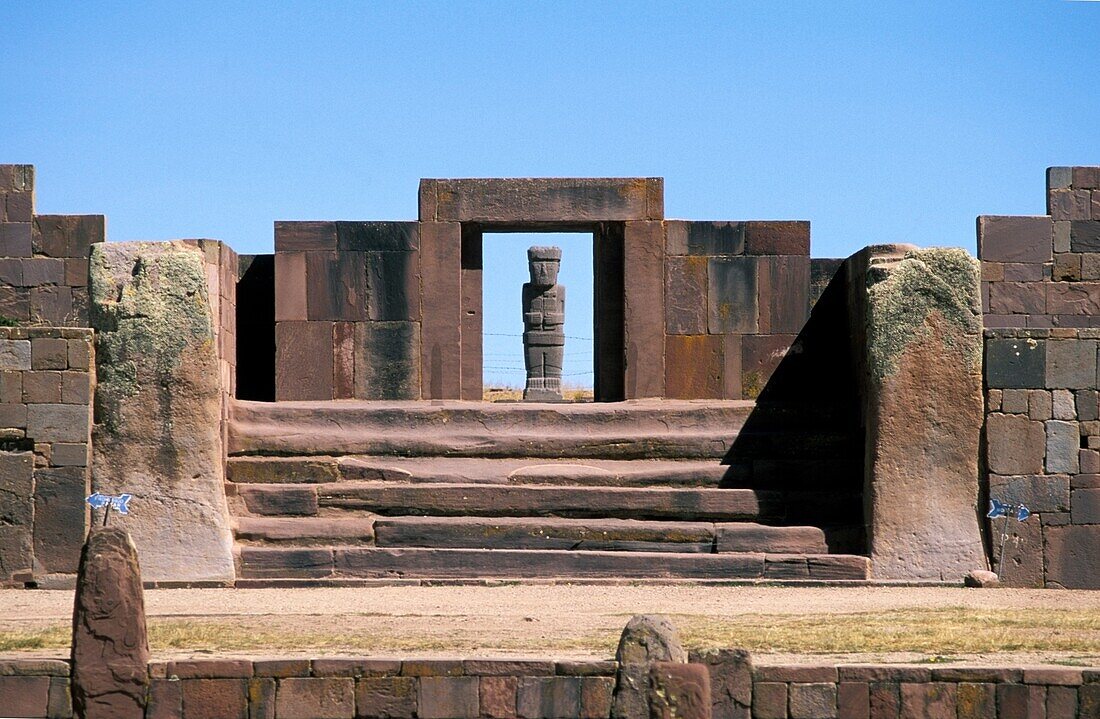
[
  {"x": 503, "y": 393},
  {"x": 934, "y": 634}
]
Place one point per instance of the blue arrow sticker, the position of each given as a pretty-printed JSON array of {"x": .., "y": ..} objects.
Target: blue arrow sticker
[
  {"x": 1000, "y": 509},
  {"x": 120, "y": 504}
]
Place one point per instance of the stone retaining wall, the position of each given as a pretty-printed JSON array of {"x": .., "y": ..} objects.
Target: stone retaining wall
[
  {"x": 343, "y": 688},
  {"x": 46, "y": 381}
]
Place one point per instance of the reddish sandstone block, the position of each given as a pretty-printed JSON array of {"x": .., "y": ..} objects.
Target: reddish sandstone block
[
  {"x": 215, "y": 698},
  {"x": 291, "y": 236},
  {"x": 53, "y": 305},
  {"x": 1061, "y": 703},
  {"x": 976, "y": 700},
  {"x": 16, "y": 206},
  {"x": 448, "y": 698},
  {"x": 686, "y": 295},
  {"x": 49, "y": 353},
  {"x": 644, "y": 308},
  {"x": 933, "y": 700},
  {"x": 1073, "y": 298},
  {"x": 441, "y": 289},
  {"x": 280, "y": 668},
  {"x": 1013, "y": 701},
  {"x": 336, "y": 286},
  {"x": 1072, "y": 555},
  {"x": 304, "y": 362},
  {"x": 343, "y": 360},
  {"x": 386, "y": 697},
  {"x": 261, "y": 698},
  {"x": 290, "y": 286},
  {"x": 784, "y": 237},
  {"x": 596, "y": 697},
  {"x": 694, "y": 366},
  {"x": 1016, "y": 445},
  {"x": 42, "y": 386},
  {"x": 1069, "y": 204},
  {"x": 67, "y": 235},
  {"x": 76, "y": 272},
  {"x": 760, "y": 355},
  {"x": 43, "y": 271},
  {"x": 315, "y": 698},
  {"x": 784, "y": 299},
  {"x": 732, "y": 295},
  {"x": 1015, "y": 239},
  {"x": 347, "y": 667},
  {"x": 498, "y": 696},
  {"x": 885, "y": 701},
  {"x": 210, "y": 669},
  {"x": 1007, "y": 298},
  {"x": 854, "y": 700},
  {"x": 24, "y": 696},
  {"x": 393, "y": 286},
  {"x": 539, "y": 697},
  {"x": 532, "y": 202},
  {"x": 678, "y": 690},
  {"x": 15, "y": 239},
  {"x": 769, "y": 700},
  {"x": 812, "y": 701},
  {"x": 165, "y": 700}
]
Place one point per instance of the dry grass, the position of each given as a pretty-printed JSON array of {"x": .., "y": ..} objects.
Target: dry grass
[
  {"x": 503, "y": 393},
  {"x": 931, "y": 633}
]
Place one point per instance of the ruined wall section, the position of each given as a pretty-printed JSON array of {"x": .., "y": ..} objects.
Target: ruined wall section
[
  {"x": 43, "y": 258},
  {"x": 1041, "y": 295},
  {"x": 47, "y": 376}
]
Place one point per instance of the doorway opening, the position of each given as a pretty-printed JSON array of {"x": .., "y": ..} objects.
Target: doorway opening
[{"x": 505, "y": 269}]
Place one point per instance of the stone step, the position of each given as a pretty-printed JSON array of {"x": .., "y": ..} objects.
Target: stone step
[
  {"x": 595, "y": 534},
  {"x": 518, "y": 564},
  {"x": 305, "y": 530},
  {"x": 391, "y": 498},
  {"x": 638, "y": 429},
  {"x": 450, "y": 470}
]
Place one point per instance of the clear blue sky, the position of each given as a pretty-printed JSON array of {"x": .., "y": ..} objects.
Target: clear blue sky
[{"x": 877, "y": 121}]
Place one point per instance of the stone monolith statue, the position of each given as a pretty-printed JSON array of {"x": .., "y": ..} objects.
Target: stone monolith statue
[{"x": 543, "y": 325}]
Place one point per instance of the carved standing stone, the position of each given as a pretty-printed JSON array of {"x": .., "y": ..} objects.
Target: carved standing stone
[
  {"x": 110, "y": 649},
  {"x": 543, "y": 325},
  {"x": 647, "y": 638}
]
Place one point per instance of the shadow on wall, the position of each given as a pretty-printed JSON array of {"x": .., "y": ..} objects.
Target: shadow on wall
[{"x": 804, "y": 438}]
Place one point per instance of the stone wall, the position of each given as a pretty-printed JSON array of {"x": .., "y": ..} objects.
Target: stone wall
[
  {"x": 1041, "y": 384},
  {"x": 343, "y": 688},
  {"x": 43, "y": 258},
  {"x": 392, "y": 310},
  {"x": 46, "y": 380}
]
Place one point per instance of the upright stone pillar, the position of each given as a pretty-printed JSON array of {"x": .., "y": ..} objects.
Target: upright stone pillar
[
  {"x": 110, "y": 649},
  {"x": 917, "y": 325},
  {"x": 543, "y": 325},
  {"x": 647, "y": 639}
]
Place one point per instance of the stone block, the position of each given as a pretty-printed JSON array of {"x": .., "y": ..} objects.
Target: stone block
[
  {"x": 731, "y": 680},
  {"x": 813, "y": 701},
  {"x": 686, "y": 295},
  {"x": 11, "y": 387},
  {"x": 336, "y": 286},
  {"x": 760, "y": 355},
  {"x": 24, "y": 696},
  {"x": 1061, "y": 703},
  {"x": 1067, "y": 267},
  {"x": 441, "y": 290},
  {"x": 1087, "y": 404},
  {"x": 15, "y": 239},
  {"x": 705, "y": 238},
  {"x": 80, "y": 353},
  {"x": 49, "y": 353},
  {"x": 995, "y": 271},
  {"x": 676, "y": 690},
  {"x": 1059, "y": 178},
  {"x": 261, "y": 698},
  {"x": 783, "y": 286},
  {"x": 67, "y": 236},
  {"x": 393, "y": 286},
  {"x": 1086, "y": 506},
  {"x": 347, "y": 667},
  {"x": 41, "y": 387},
  {"x": 498, "y": 696},
  {"x": 16, "y": 206},
  {"x": 596, "y": 693},
  {"x": 215, "y": 698},
  {"x": 1063, "y": 405},
  {"x": 15, "y": 354},
  {"x": 387, "y": 360},
  {"x": 11, "y": 272},
  {"x": 1095, "y": 205},
  {"x": 853, "y": 700},
  {"x": 1007, "y": 298},
  {"x": 303, "y": 361},
  {"x": 15, "y": 303},
  {"x": 343, "y": 360},
  {"x": 1014, "y": 362},
  {"x": 13, "y": 415},
  {"x": 732, "y": 295},
  {"x": 644, "y": 308},
  {"x": 1062, "y": 442},
  {"x": 59, "y": 518},
  {"x": 1014, "y": 401},
  {"x": 1023, "y": 560},
  {"x": 378, "y": 236},
  {"x": 1044, "y": 493},
  {"x": 1061, "y": 236},
  {"x": 976, "y": 700},
  {"x": 315, "y": 698},
  {"x": 52, "y": 306},
  {"x": 448, "y": 698},
  {"x": 694, "y": 366},
  {"x": 1086, "y": 178},
  {"x": 16, "y": 512},
  {"x": 76, "y": 388},
  {"x": 293, "y": 236},
  {"x": 432, "y": 668},
  {"x": 1024, "y": 272},
  {"x": 1073, "y": 298},
  {"x": 783, "y": 237},
  {"x": 290, "y": 287},
  {"x": 1084, "y": 236},
  {"x": 1015, "y": 445},
  {"x": 58, "y": 422},
  {"x": 769, "y": 700},
  {"x": 43, "y": 271},
  {"x": 387, "y": 697},
  {"x": 1014, "y": 239},
  {"x": 531, "y": 203},
  {"x": 1068, "y": 204}
]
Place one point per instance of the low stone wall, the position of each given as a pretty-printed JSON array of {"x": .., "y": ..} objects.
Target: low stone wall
[
  {"x": 1042, "y": 446},
  {"x": 342, "y": 688},
  {"x": 46, "y": 381}
]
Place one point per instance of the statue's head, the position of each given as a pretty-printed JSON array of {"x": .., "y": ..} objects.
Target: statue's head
[{"x": 544, "y": 263}]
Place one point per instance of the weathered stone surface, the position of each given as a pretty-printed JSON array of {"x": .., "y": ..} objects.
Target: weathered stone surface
[
  {"x": 1071, "y": 364},
  {"x": 922, "y": 319},
  {"x": 498, "y": 696},
  {"x": 527, "y": 202},
  {"x": 59, "y": 518},
  {"x": 548, "y": 697},
  {"x": 1022, "y": 565},
  {"x": 705, "y": 238},
  {"x": 730, "y": 681},
  {"x": 1015, "y": 444},
  {"x": 387, "y": 360},
  {"x": 981, "y": 578},
  {"x": 732, "y": 295},
  {"x": 1014, "y": 239},
  {"x": 158, "y": 406},
  {"x": 315, "y": 698},
  {"x": 769, "y": 700},
  {"x": 644, "y": 308},
  {"x": 1073, "y": 556},
  {"x": 1063, "y": 442},
  {"x": 1040, "y": 493},
  {"x": 694, "y": 366},
  {"x": 784, "y": 286},
  {"x": 110, "y": 649},
  {"x": 1015, "y": 362},
  {"x": 686, "y": 295},
  {"x": 388, "y": 697},
  {"x": 679, "y": 690},
  {"x": 647, "y": 638},
  {"x": 16, "y": 512},
  {"x": 304, "y": 360},
  {"x": 813, "y": 700},
  {"x": 448, "y": 698}
]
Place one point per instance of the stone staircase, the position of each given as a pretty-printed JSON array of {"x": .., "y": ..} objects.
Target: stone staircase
[{"x": 332, "y": 491}]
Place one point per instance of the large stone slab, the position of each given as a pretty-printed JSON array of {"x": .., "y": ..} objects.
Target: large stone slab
[
  {"x": 157, "y": 433},
  {"x": 522, "y": 203},
  {"x": 922, "y": 356},
  {"x": 110, "y": 648}
]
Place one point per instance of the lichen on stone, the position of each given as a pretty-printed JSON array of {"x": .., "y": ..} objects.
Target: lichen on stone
[{"x": 902, "y": 296}]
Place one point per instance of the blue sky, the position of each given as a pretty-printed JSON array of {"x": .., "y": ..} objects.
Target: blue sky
[{"x": 877, "y": 121}]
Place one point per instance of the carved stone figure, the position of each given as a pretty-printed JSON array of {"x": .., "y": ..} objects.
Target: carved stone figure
[{"x": 543, "y": 325}]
